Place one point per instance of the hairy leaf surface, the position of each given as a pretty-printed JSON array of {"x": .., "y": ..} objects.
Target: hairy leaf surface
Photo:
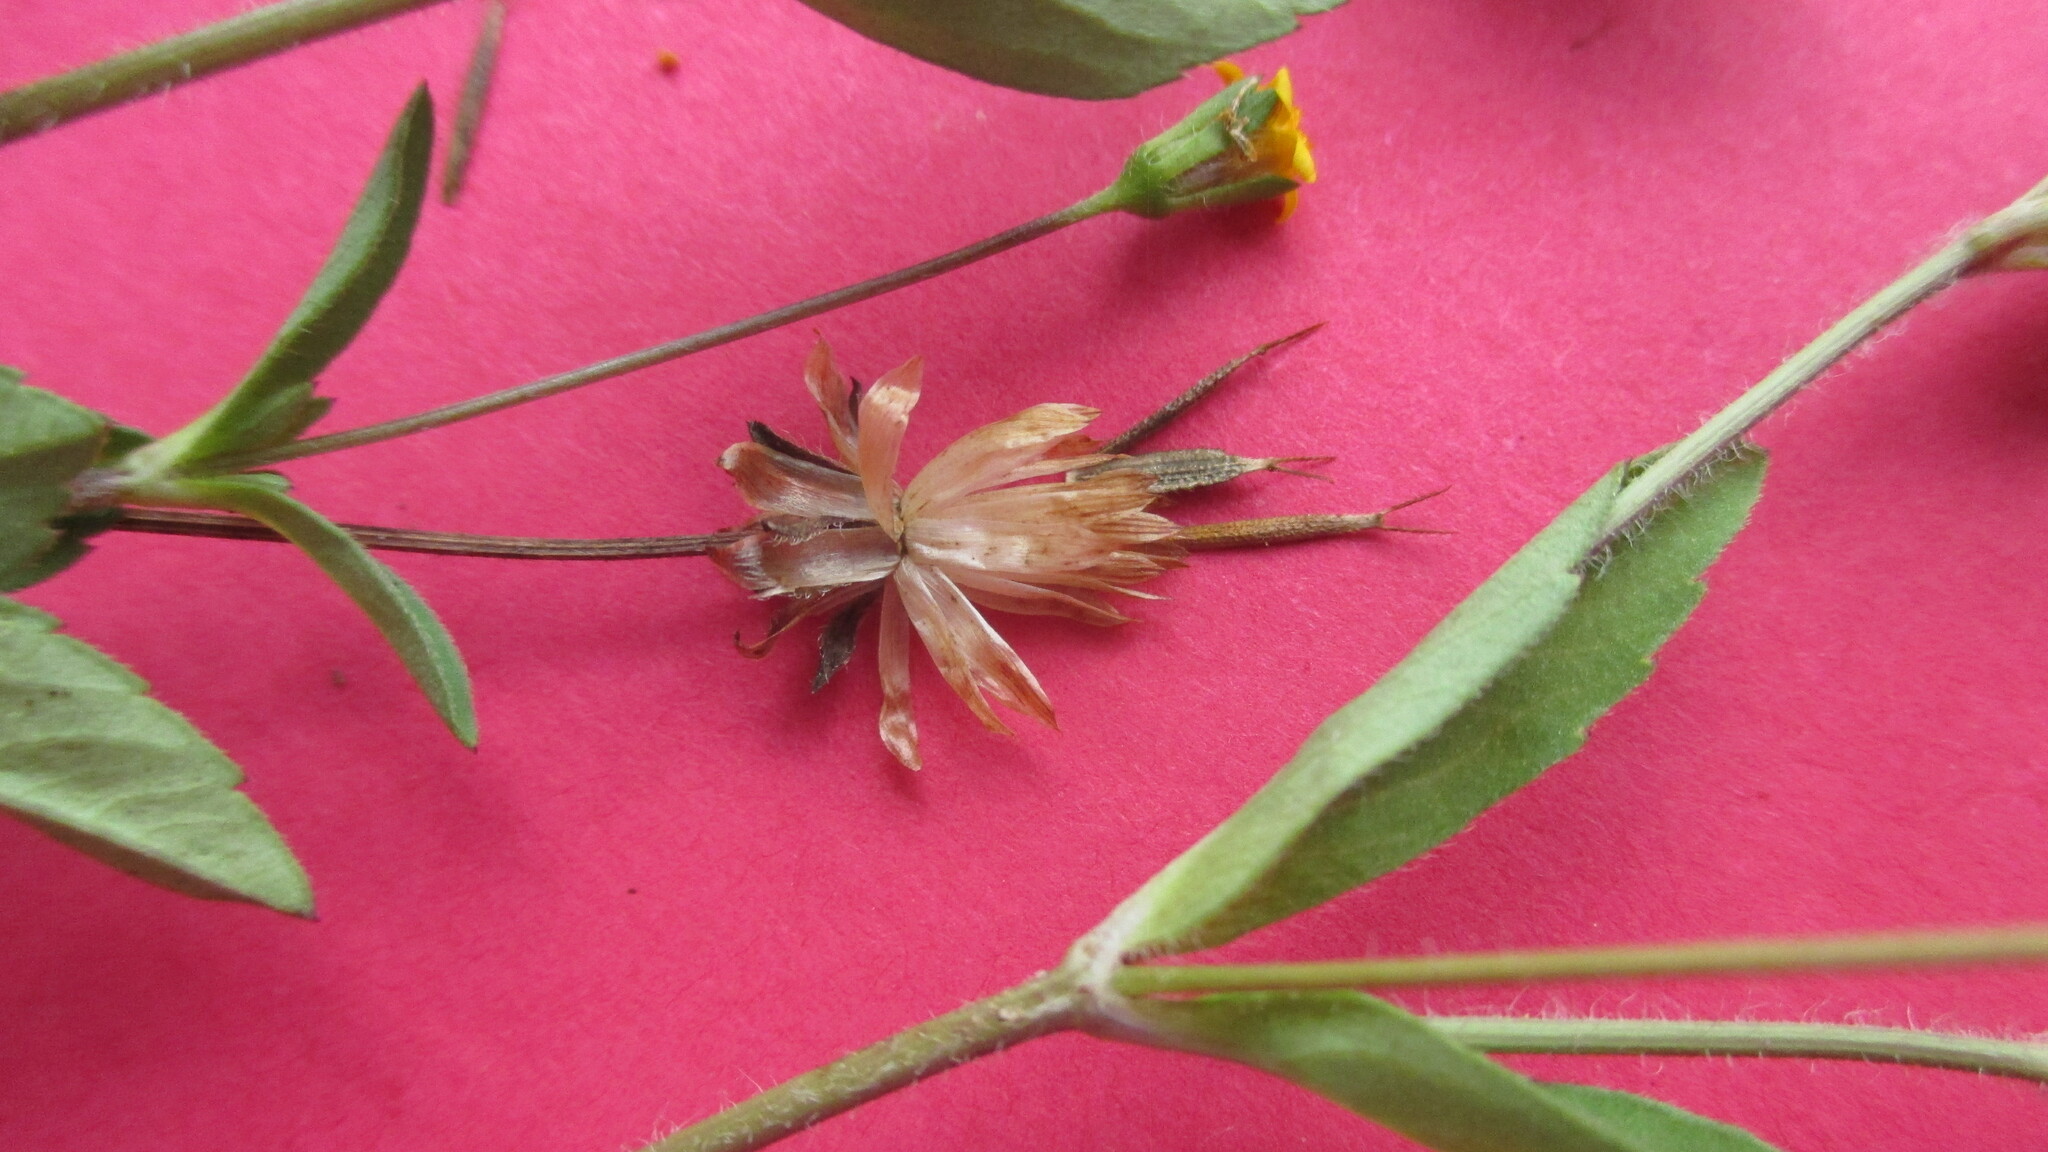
[
  {"x": 1393, "y": 1068},
  {"x": 1502, "y": 688},
  {"x": 1655, "y": 1124},
  {"x": 88, "y": 757}
]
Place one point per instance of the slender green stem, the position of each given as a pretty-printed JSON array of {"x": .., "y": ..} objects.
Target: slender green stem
[
  {"x": 648, "y": 357},
  {"x": 1727, "y": 427},
  {"x": 167, "y": 63},
  {"x": 1887, "y": 949},
  {"x": 1586, "y": 1037},
  {"x": 1044, "y": 1004}
]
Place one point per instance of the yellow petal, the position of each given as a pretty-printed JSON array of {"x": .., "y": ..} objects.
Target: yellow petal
[
  {"x": 1304, "y": 164},
  {"x": 1230, "y": 72}
]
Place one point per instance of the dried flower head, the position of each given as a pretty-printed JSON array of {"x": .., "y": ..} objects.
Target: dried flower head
[{"x": 983, "y": 525}]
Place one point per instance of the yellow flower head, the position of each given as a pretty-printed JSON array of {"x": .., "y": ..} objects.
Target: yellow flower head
[
  {"x": 1245, "y": 143},
  {"x": 1279, "y": 147}
]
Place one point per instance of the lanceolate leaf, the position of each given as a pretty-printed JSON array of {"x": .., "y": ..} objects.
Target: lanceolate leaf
[
  {"x": 1392, "y": 1067},
  {"x": 1504, "y": 687},
  {"x": 275, "y": 402},
  {"x": 87, "y": 757},
  {"x": 45, "y": 442},
  {"x": 1093, "y": 49},
  {"x": 399, "y": 613},
  {"x": 1655, "y": 1124}
]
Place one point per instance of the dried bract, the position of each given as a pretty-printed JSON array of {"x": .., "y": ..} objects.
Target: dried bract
[{"x": 971, "y": 530}]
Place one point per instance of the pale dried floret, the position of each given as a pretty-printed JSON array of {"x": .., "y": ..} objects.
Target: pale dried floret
[{"x": 971, "y": 528}]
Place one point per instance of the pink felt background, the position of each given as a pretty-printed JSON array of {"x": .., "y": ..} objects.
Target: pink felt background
[{"x": 1551, "y": 233}]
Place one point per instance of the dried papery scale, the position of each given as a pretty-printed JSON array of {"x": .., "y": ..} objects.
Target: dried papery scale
[{"x": 1026, "y": 515}]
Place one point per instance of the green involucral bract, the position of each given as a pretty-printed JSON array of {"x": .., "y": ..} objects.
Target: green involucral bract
[
  {"x": 1092, "y": 49},
  {"x": 274, "y": 403},
  {"x": 90, "y": 759},
  {"x": 398, "y": 612},
  {"x": 45, "y": 442},
  {"x": 1392, "y": 1067},
  {"x": 1163, "y": 175},
  {"x": 1504, "y": 687}
]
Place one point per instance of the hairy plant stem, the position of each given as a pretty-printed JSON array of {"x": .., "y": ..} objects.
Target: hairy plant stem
[
  {"x": 167, "y": 63},
  {"x": 1588, "y": 1037},
  {"x": 675, "y": 349},
  {"x": 1884, "y": 949},
  {"x": 1046, "y": 1003},
  {"x": 1057, "y": 1001},
  {"x": 1726, "y": 428}
]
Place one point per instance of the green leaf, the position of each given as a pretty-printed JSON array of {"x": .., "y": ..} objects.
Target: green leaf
[
  {"x": 275, "y": 401},
  {"x": 90, "y": 759},
  {"x": 121, "y": 440},
  {"x": 1388, "y": 1066},
  {"x": 1092, "y": 49},
  {"x": 1655, "y": 1124},
  {"x": 399, "y": 613},
  {"x": 1501, "y": 689},
  {"x": 45, "y": 442}
]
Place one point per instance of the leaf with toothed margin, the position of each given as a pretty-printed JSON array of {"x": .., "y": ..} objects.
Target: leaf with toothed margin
[
  {"x": 87, "y": 757},
  {"x": 1504, "y": 687}
]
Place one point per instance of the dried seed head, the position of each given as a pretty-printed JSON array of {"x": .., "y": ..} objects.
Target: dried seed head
[{"x": 1024, "y": 515}]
